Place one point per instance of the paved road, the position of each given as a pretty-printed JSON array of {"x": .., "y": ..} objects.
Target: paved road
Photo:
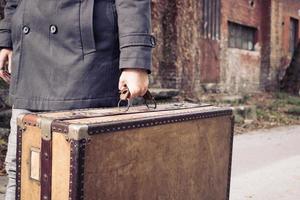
[{"x": 266, "y": 165}]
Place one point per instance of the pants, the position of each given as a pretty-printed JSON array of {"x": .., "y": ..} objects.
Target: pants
[{"x": 10, "y": 160}]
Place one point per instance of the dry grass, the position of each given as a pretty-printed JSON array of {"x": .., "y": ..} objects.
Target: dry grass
[{"x": 272, "y": 109}]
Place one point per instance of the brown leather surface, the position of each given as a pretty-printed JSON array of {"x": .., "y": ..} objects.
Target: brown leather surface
[
  {"x": 61, "y": 153},
  {"x": 30, "y": 189},
  {"x": 187, "y": 160}
]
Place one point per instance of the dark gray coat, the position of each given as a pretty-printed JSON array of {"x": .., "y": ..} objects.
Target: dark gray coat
[{"x": 68, "y": 54}]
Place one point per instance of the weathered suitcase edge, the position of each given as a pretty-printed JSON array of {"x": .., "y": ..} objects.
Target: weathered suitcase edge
[
  {"x": 77, "y": 169},
  {"x": 20, "y": 130},
  {"x": 142, "y": 123},
  {"x": 230, "y": 157},
  {"x": 96, "y": 128},
  {"x": 45, "y": 124},
  {"x": 18, "y": 162}
]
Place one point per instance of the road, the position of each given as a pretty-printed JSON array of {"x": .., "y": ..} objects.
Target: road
[{"x": 266, "y": 165}]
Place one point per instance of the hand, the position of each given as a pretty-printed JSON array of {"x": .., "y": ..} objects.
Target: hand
[
  {"x": 5, "y": 64},
  {"x": 5, "y": 59},
  {"x": 136, "y": 80}
]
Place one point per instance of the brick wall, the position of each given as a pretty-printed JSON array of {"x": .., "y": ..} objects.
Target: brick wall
[
  {"x": 186, "y": 60},
  {"x": 183, "y": 59},
  {"x": 242, "y": 69},
  {"x": 280, "y": 55}
]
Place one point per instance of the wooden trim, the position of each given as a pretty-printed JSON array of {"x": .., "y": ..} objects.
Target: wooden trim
[
  {"x": 77, "y": 169},
  {"x": 230, "y": 157},
  {"x": 46, "y": 169},
  {"x": 18, "y": 161},
  {"x": 141, "y": 123},
  {"x": 96, "y": 128}
]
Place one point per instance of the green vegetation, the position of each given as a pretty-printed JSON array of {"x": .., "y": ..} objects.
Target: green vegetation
[{"x": 294, "y": 111}]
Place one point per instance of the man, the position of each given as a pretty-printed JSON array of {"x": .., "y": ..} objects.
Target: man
[{"x": 71, "y": 54}]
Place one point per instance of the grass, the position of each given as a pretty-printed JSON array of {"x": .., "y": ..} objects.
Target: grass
[
  {"x": 272, "y": 109},
  {"x": 294, "y": 111}
]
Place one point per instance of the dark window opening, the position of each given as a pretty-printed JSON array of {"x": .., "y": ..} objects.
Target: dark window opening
[
  {"x": 241, "y": 36},
  {"x": 211, "y": 19},
  {"x": 293, "y": 34}
]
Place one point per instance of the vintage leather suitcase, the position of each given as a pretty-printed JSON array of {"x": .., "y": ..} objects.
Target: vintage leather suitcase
[{"x": 178, "y": 151}]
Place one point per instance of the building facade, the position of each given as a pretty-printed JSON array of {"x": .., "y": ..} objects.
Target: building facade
[{"x": 225, "y": 46}]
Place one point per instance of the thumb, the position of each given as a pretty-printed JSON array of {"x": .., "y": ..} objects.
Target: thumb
[
  {"x": 9, "y": 62},
  {"x": 122, "y": 82}
]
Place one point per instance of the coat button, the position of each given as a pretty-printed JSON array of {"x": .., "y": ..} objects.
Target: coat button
[
  {"x": 152, "y": 41},
  {"x": 26, "y": 29},
  {"x": 53, "y": 29}
]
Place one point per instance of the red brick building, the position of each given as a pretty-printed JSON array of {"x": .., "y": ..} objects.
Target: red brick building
[{"x": 223, "y": 45}]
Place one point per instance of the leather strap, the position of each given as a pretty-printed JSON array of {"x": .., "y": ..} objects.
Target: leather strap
[{"x": 125, "y": 94}]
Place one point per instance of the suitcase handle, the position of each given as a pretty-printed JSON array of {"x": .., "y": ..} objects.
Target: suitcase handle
[{"x": 125, "y": 94}]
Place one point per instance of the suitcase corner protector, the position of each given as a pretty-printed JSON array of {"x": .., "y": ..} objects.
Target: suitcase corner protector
[
  {"x": 78, "y": 132},
  {"x": 20, "y": 120},
  {"x": 45, "y": 125}
]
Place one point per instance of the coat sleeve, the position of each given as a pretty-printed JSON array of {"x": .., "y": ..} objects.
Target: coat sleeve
[
  {"x": 136, "y": 41},
  {"x": 5, "y": 23}
]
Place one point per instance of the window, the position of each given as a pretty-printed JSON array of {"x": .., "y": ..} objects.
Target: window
[
  {"x": 211, "y": 19},
  {"x": 240, "y": 36},
  {"x": 293, "y": 34}
]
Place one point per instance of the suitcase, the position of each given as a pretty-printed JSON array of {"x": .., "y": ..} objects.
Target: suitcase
[{"x": 178, "y": 151}]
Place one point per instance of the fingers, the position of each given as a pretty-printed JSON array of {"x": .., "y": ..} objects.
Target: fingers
[
  {"x": 137, "y": 82},
  {"x": 9, "y": 62},
  {"x": 3, "y": 59},
  {"x": 137, "y": 91},
  {"x": 122, "y": 82}
]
